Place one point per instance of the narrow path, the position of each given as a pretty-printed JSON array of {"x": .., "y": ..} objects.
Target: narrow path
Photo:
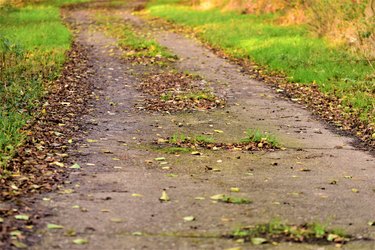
[{"x": 113, "y": 200}]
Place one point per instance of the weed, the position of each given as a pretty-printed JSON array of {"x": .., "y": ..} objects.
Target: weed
[
  {"x": 276, "y": 231},
  {"x": 203, "y": 139},
  {"x": 176, "y": 150},
  {"x": 178, "y": 138},
  {"x": 234, "y": 200},
  {"x": 258, "y": 137}
]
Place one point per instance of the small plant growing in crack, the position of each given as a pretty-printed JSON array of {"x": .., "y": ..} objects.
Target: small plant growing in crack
[
  {"x": 260, "y": 138},
  {"x": 276, "y": 231},
  {"x": 234, "y": 200}
]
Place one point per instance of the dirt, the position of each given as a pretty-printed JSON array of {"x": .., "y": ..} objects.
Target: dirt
[{"x": 112, "y": 200}]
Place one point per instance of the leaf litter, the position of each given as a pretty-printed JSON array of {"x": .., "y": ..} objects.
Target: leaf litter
[
  {"x": 40, "y": 161},
  {"x": 176, "y": 91}
]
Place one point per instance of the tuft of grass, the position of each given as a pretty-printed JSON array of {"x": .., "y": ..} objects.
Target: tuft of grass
[
  {"x": 33, "y": 42},
  {"x": 256, "y": 136},
  {"x": 234, "y": 200},
  {"x": 176, "y": 150},
  {"x": 203, "y": 139},
  {"x": 288, "y": 50},
  {"x": 136, "y": 43},
  {"x": 276, "y": 231},
  {"x": 178, "y": 138}
]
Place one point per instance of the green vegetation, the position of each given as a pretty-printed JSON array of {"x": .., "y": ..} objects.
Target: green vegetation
[
  {"x": 258, "y": 137},
  {"x": 136, "y": 44},
  {"x": 234, "y": 200},
  {"x": 276, "y": 231},
  {"x": 33, "y": 42},
  {"x": 176, "y": 150},
  {"x": 288, "y": 50},
  {"x": 180, "y": 138}
]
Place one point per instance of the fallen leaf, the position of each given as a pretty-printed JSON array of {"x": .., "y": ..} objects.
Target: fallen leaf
[
  {"x": 218, "y": 131},
  {"x": 164, "y": 197},
  {"x": 75, "y": 166},
  {"x": 137, "y": 233},
  {"x": 371, "y": 223},
  {"x": 234, "y": 189},
  {"x": 199, "y": 198},
  {"x": 16, "y": 233},
  {"x": 171, "y": 175},
  {"x": 137, "y": 195},
  {"x": 91, "y": 140},
  {"x": 18, "y": 244},
  {"x": 67, "y": 191},
  {"x": 258, "y": 241},
  {"x": 80, "y": 241},
  {"x": 1, "y": 220},
  {"x": 189, "y": 218},
  {"x": 70, "y": 233},
  {"x": 332, "y": 237},
  {"x": 354, "y": 190},
  {"x": 217, "y": 197},
  {"x": 54, "y": 226},
  {"x": 59, "y": 164},
  {"x": 159, "y": 159},
  {"x": 21, "y": 217},
  {"x": 117, "y": 220}
]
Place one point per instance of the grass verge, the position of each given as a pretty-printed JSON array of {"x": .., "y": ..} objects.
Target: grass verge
[
  {"x": 346, "y": 80},
  {"x": 33, "y": 42}
]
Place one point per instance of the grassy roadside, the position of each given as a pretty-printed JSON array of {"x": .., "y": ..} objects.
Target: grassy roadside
[
  {"x": 287, "y": 50},
  {"x": 33, "y": 42}
]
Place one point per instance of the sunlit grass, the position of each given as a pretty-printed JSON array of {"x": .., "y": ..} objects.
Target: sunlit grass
[
  {"x": 288, "y": 50},
  {"x": 33, "y": 42}
]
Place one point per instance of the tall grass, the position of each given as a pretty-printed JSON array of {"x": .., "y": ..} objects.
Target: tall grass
[{"x": 33, "y": 42}]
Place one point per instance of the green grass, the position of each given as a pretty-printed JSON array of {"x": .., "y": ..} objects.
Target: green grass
[
  {"x": 291, "y": 51},
  {"x": 276, "y": 231},
  {"x": 176, "y": 150},
  {"x": 255, "y": 135},
  {"x": 179, "y": 138},
  {"x": 136, "y": 43},
  {"x": 33, "y": 42}
]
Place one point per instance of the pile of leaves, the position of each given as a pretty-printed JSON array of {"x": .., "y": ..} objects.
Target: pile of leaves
[
  {"x": 172, "y": 92},
  {"x": 39, "y": 164},
  {"x": 276, "y": 231}
]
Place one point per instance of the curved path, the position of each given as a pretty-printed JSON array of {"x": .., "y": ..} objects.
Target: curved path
[{"x": 113, "y": 199}]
